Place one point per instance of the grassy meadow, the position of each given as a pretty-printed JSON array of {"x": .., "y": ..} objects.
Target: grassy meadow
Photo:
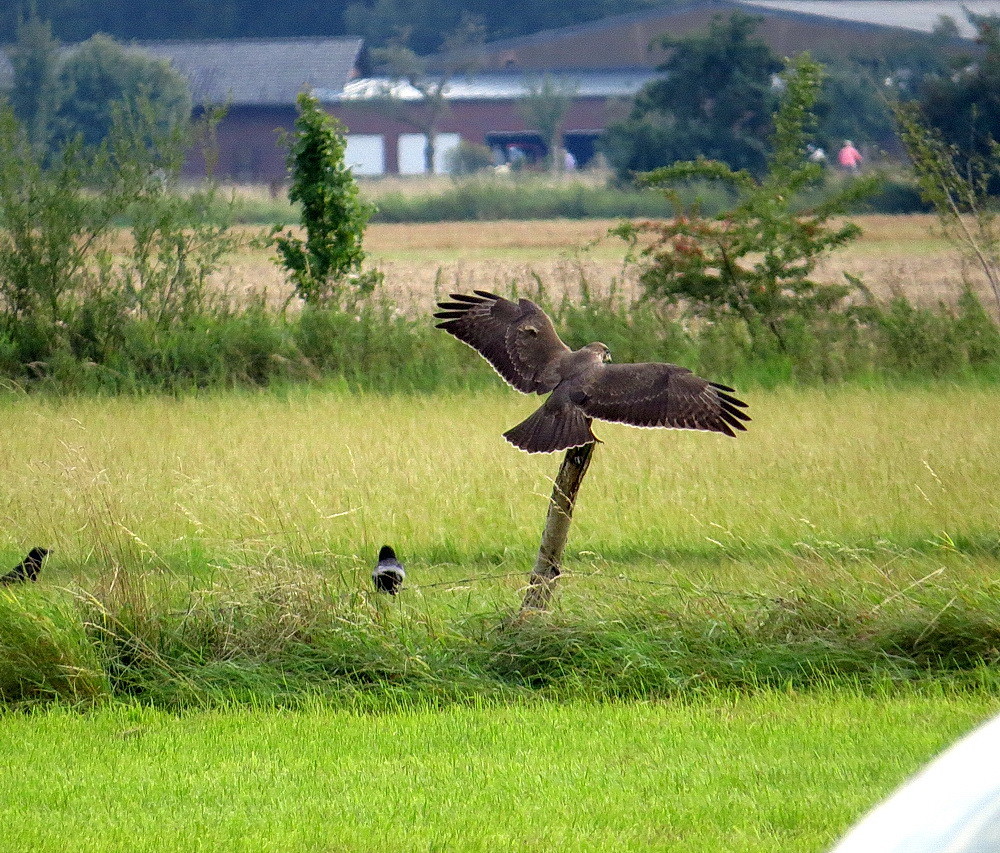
[
  {"x": 742, "y": 774},
  {"x": 753, "y": 640},
  {"x": 323, "y": 478},
  {"x": 219, "y": 547}
]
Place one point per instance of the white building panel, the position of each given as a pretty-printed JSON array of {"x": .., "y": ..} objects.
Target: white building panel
[
  {"x": 411, "y": 152},
  {"x": 365, "y": 153}
]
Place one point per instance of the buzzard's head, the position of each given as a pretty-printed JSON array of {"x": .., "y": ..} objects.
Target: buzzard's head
[{"x": 601, "y": 350}]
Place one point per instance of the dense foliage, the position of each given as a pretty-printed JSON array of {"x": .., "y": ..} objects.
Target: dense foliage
[
  {"x": 714, "y": 100},
  {"x": 59, "y": 97},
  {"x": 964, "y": 104},
  {"x": 101, "y": 75},
  {"x": 334, "y": 216},
  {"x": 376, "y": 20}
]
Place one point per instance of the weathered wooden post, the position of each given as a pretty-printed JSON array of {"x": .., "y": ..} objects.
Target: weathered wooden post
[{"x": 541, "y": 584}]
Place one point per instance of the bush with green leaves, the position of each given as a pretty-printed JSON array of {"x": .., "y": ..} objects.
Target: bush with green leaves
[
  {"x": 70, "y": 294},
  {"x": 957, "y": 184},
  {"x": 467, "y": 158},
  {"x": 327, "y": 264},
  {"x": 753, "y": 261}
]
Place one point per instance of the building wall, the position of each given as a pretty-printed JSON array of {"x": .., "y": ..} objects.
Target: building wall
[
  {"x": 248, "y": 145},
  {"x": 473, "y": 121}
]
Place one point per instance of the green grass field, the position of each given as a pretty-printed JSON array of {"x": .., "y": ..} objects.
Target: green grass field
[
  {"x": 747, "y": 775},
  {"x": 329, "y": 477},
  {"x": 851, "y": 533},
  {"x": 806, "y": 614}
]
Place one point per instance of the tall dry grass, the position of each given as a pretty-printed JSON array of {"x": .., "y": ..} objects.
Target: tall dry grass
[
  {"x": 895, "y": 255},
  {"x": 218, "y": 548}
]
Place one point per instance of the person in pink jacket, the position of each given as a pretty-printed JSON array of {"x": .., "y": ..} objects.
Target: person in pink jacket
[{"x": 849, "y": 157}]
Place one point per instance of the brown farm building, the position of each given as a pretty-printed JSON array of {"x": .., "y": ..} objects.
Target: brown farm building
[{"x": 604, "y": 63}]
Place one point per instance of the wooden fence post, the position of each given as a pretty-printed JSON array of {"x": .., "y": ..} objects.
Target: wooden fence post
[{"x": 541, "y": 584}]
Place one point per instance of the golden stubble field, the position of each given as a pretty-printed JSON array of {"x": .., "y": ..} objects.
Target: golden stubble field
[{"x": 896, "y": 254}]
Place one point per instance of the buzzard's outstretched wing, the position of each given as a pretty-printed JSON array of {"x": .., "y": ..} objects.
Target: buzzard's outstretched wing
[
  {"x": 661, "y": 395},
  {"x": 517, "y": 338}
]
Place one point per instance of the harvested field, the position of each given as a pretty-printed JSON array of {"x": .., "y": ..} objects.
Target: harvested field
[{"x": 896, "y": 254}]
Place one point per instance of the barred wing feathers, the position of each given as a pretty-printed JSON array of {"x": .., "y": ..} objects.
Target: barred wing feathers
[
  {"x": 662, "y": 395},
  {"x": 516, "y": 338}
]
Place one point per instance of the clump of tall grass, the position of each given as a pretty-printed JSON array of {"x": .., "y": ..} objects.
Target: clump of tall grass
[
  {"x": 282, "y": 633},
  {"x": 376, "y": 347},
  {"x": 45, "y": 653}
]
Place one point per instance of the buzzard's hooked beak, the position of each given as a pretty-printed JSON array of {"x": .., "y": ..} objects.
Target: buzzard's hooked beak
[{"x": 607, "y": 355}]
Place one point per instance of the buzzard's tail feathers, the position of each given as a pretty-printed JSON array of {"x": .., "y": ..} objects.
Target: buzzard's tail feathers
[{"x": 551, "y": 429}]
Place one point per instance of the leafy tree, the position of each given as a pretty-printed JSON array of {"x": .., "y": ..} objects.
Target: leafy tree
[
  {"x": 333, "y": 213},
  {"x": 957, "y": 185},
  {"x": 35, "y": 95},
  {"x": 404, "y": 67},
  {"x": 965, "y": 105},
  {"x": 753, "y": 261},
  {"x": 714, "y": 101},
  {"x": 543, "y": 108},
  {"x": 102, "y": 75}
]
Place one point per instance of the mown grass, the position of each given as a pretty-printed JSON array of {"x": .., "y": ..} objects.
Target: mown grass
[
  {"x": 745, "y": 774},
  {"x": 217, "y": 548}
]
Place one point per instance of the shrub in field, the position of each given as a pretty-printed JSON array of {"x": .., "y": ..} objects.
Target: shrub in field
[
  {"x": 753, "y": 261},
  {"x": 467, "y": 158},
  {"x": 73, "y": 300},
  {"x": 45, "y": 654},
  {"x": 958, "y": 187},
  {"x": 923, "y": 342},
  {"x": 333, "y": 213}
]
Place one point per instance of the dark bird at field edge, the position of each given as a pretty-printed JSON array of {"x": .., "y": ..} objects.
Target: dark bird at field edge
[
  {"x": 389, "y": 574},
  {"x": 27, "y": 569}
]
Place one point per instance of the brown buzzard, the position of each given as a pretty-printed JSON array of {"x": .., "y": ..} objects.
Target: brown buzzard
[{"x": 520, "y": 342}]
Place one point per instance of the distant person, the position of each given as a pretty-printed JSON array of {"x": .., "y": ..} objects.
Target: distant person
[
  {"x": 849, "y": 157},
  {"x": 569, "y": 161},
  {"x": 815, "y": 154}
]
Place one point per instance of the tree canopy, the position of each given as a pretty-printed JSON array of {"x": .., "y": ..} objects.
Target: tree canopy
[
  {"x": 377, "y": 21},
  {"x": 714, "y": 100},
  {"x": 965, "y": 104},
  {"x": 102, "y": 76}
]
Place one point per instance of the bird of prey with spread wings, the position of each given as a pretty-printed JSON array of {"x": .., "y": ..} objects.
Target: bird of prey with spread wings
[{"x": 520, "y": 342}]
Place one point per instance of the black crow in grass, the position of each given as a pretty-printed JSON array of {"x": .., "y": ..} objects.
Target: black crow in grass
[
  {"x": 388, "y": 574},
  {"x": 27, "y": 569}
]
